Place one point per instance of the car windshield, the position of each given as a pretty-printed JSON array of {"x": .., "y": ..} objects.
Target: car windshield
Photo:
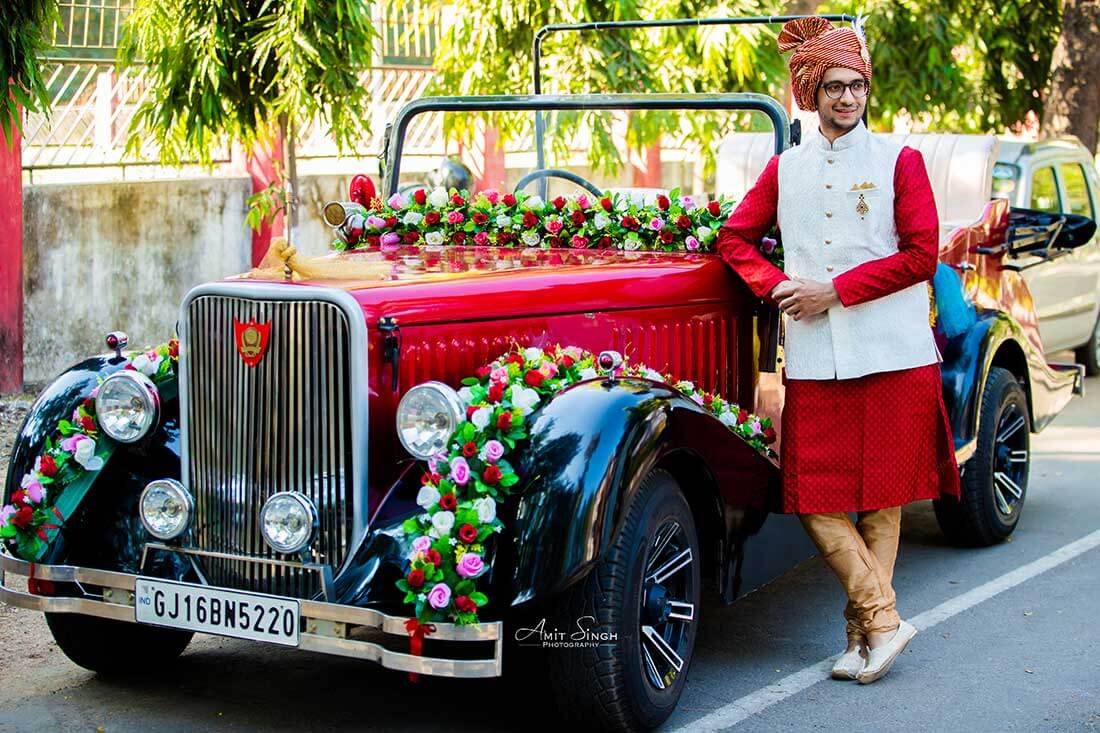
[{"x": 639, "y": 146}]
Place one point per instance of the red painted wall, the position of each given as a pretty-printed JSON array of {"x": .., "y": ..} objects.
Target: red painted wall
[{"x": 11, "y": 266}]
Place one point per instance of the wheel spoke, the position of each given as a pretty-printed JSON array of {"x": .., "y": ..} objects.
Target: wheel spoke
[
  {"x": 654, "y": 675},
  {"x": 681, "y": 611},
  {"x": 677, "y": 562},
  {"x": 1000, "y": 498},
  {"x": 1017, "y": 456},
  {"x": 660, "y": 543},
  {"x": 1002, "y": 479},
  {"x": 1012, "y": 428},
  {"x": 649, "y": 633}
]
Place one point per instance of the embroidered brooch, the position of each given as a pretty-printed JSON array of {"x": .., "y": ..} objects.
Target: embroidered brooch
[{"x": 862, "y": 208}]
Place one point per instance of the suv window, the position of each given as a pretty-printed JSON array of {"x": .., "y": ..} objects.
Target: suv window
[
  {"x": 1044, "y": 191},
  {"x": 1077, "y": 189}
]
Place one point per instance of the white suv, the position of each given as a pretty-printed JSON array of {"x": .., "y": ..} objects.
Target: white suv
[{"x": 1059, "y": 176}]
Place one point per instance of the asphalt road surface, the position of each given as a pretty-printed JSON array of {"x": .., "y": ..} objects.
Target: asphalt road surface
[{"x": 1009, "y": 641}]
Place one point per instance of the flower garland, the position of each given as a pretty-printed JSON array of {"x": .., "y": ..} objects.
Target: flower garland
[
  {"x": 462, "y": 487},
  {"x": 70, "y": 458},
  {"x": 611, "y": 221}
]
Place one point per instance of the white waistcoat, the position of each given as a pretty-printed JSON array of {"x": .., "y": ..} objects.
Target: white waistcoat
[{"x": 826, "y": 231}]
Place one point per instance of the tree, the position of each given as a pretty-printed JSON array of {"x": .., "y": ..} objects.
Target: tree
[
  {"x": 1072, "y": 105},
  {"x": 246, "y": 69},
  {"x": 25, "y": 31}
]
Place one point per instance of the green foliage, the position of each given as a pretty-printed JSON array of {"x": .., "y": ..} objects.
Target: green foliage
[
  {"x": 25, "y": 29},
  {"x": 232, "y": 68}
]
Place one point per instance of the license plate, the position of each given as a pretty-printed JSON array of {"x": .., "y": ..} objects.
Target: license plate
[{"x": 217, "y": 611}]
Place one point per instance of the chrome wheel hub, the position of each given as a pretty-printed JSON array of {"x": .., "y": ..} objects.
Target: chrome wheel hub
[{"x": 667, "y": 610}]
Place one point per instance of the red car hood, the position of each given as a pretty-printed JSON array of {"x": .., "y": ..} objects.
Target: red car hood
[{"x": 465, "y": 284}]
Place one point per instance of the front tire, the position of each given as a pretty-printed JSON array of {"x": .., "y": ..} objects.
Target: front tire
[
  {"x": 994, "y": 480},
  {"x": 114, "y": 647},
  {"x": 643, "y": 598}
]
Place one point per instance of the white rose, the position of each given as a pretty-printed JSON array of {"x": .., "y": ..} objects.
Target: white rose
[
  {"x": 601, "y": 220},
  {"x": 685, "y": 385},
  {"x": 588, "y": 373},
  {"x": 504, "y": 221},
  {"x": 434, "y": 238},
  {"x": 703, "y": 233},
  {"x": 524, "y": 399},
  {"x": 438, "y": 198},
  {"x": 531, "y": 239},
  {"x": 442, "y": 523},
  {"x": 140, "y": 362},
  {"x": 480, "y": 418},
  {"x": 412, "y": 218},
  {"x": 532, "y": 354},
  {"x": 532, "y": 203},
  {"x": 427, "y": 497},
  {"x": 632, "y": 243},
  {"x": 486, "y": 509},
  {"x": 654, "y": 375},
  {"x": 465, "y": 395},
  {"x": 697, "y": 399},
  {"x": 728, "y": 419},
  {"x": 85, "y": 455}
]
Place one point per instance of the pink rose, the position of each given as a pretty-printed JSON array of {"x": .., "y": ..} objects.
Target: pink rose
[
  {"x": 390, "y": 240},
  {"x": 69, "y": 444},
  {"x": 455, "y": 217},
  {"x": 470, "y": 566},
  {"x": 6, "y": 513},
  {"x": 656, "y": 223},
  {"x": 460, "y": 471},
  {"x": 583, "y": 202},
  {"x": 481, "y": 239},
  {"x": 422, "y": 544},
  {"x": 493, "y": 451},
  {"x": 492, "y": 195},
  {"x": 767, "y": 245},
  {"x": 692, "y": 243},
  {"x": 500, "y": 375},
  {"x": 440, "y": 595},
  {"x": 554, "y": 226},
  {"x": 33, "y": 489},
  {"x": 549, "y": 369}
]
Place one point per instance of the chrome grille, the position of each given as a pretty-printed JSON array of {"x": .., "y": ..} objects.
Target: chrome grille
[{"x": 282, "y": 425}]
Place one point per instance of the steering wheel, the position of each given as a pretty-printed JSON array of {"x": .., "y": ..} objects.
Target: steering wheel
[{"x": 558, "y": 173}]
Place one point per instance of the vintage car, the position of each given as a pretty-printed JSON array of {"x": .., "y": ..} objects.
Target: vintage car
[{"x": 432, "y": 456}]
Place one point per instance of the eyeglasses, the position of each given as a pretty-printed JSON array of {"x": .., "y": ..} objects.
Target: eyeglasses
[{"x": 835, "y": 89}]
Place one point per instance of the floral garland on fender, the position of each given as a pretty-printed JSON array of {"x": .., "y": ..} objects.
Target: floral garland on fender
[
  {"x": 490, "y": 218},
  {"x": 70, "y": 459},
  {"x": 461, "y": 488}
]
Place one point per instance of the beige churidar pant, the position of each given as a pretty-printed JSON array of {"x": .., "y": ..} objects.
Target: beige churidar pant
[{"x": 862, "y": 556}]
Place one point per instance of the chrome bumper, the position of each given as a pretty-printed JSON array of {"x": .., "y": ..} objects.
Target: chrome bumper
[{"x": 329, "y": 628}]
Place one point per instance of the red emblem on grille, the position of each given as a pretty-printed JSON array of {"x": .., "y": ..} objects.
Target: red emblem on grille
[{"x": 251, "y": 339}]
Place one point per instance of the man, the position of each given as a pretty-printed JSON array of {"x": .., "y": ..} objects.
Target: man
[{"x": 864, "y": 425}]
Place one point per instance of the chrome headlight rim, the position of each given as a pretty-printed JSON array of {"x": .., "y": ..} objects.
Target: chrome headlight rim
[
  {"x": 182, "y": 494},
  {"x": 150, "y": 396},
  {"x": 453, "y": 403},
  {"x": 311, "y": 511}
]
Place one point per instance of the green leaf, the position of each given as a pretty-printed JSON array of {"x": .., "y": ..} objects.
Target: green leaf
[{"x": 479, "y": 598}]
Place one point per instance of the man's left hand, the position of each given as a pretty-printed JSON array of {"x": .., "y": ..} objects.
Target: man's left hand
[{"x": 801, "y": 298}]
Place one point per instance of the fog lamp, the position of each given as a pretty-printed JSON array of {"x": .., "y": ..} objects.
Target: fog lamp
[
  {"x": 166, "y": 508},
  {"x": 288, "y": 521}
]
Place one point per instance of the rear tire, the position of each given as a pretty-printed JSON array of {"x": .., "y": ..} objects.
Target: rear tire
[
  {"x": 114, "y": 647},
  {"x": 1089, "y": 354},
  {"x": 994, "y": 480},
  {"x": 633, "y": 679}
]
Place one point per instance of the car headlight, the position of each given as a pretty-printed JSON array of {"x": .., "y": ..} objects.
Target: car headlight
[
  {"x": 166, "y": 508},
  {"x": 427, "y": 417},
  {"x": 288, "y": 521},
  {"x": 127, "y": 406}
]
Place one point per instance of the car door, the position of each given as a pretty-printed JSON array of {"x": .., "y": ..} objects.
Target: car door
[
  {"x": 1050, "y": 282},
  {"x": 1082, "y": 281}
]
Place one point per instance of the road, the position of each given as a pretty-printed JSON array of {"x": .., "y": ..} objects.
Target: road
[{"x": 1009, "y": 642}]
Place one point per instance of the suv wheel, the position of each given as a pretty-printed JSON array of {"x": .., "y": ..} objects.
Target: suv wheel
[
  {"x": 994, "y": 480},
  {"x": 1089, "y": 354},
  {"x": 643, "y": 599},
  {"x": 114, "y": 647}
]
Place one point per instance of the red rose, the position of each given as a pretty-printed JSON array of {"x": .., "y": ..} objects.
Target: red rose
[
  {"x": 479, "y": 217},
  {"x": 579, "y": 242},
  {"x": 742, "y": 416},
  {"x": 373, "y": 240},
  {"x": 553, "y": 241},
  {"x": 431, "y": 218},
  {"x": 19, "y": 497},
  {"x": 514, "y": 358},
  {"x": 662, "y": 202},
  {"x": 505, "y": 237},
  {"x": 420, "y": 196},
  {"x": 415, "y": 578},
  {"x": 173, "y": 348},
  {"x": 448, "y": 502},
  {"x": 426, "y": 478},
  {"x": 457, "y": 200},
  {"x": 468, "y": 532},
  {"x": 667, "y": 235},
  {"x": 504, "y": 421},
  {"x": 483, "y": 371},
  {"x": 391, "y": 221},
  {"x": 533, "y": 378},
  {"x": 496, "y": 393},
  {"x": 491, "y": 475},
  {"x": 630, "y": 222},
  {"x": 465, "y": 605},
  {"x": 559, "y": 203},
  {"x": 683, "y": 221},
  {"x": 88, "y": 404},
  {"x": 47, "y": 466},
  {"x": 88, "y": 424},
  {"x": 434, "y": 557},
  {"x": 470, "y": 410},
  {"x": 566, "y": 361},
  {"x": 605, "y": 241},
  {"x": 605, "y": 202},
  {"x": 509, "y": 199},
  {"x": 530, "y": 221},
  {"x": 436, "y": 478},
  {"x": 23, "y": 517},
  {"x": 708, "y": 399},
  {"x": 458, "y": 237},
  {"x": 470, "y": 449},
  {"x": 411, "y": 237},
  {"x": 714, "y": 208},
  {"x": 578, "y": 217},
  {"x": 769, "y": 435}
]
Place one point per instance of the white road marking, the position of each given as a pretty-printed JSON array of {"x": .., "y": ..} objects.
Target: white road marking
[{"x": 745, "y": 707}]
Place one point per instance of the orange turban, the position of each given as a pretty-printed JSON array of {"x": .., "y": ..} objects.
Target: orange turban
[{"x": 819, "y": 46}]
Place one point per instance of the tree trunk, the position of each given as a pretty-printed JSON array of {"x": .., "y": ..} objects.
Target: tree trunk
[
  {"x": 1072, "y": 105},
  {"x": 290, "y": 178}
]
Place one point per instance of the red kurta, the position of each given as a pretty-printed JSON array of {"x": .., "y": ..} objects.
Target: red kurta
[{"x": 880, "y": 440}]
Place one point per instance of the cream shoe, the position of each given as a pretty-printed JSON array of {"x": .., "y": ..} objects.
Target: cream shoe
[
  {"x": 850, "y": 663},
  {"x": 881, "y": 658}
]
